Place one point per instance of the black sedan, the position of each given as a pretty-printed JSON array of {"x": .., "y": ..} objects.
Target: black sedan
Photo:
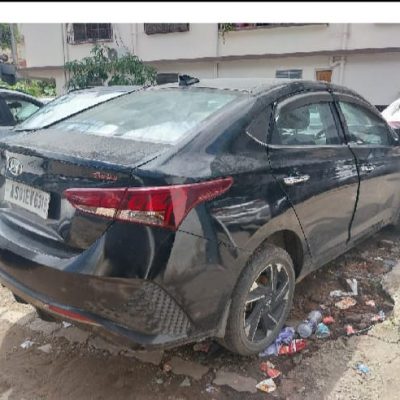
[{"x": 187, "y": 211}]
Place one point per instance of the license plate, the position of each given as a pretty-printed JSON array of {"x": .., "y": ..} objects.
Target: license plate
[{"x": 33, "y": 200}]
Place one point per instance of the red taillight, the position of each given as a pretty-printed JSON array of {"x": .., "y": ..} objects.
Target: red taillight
[
  {"x": 164, "y": 206},
  {"x": 70, "y": 314}
]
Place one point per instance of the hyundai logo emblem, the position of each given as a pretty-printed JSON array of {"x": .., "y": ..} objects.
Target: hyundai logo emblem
[{"x": 14, "y": 166}]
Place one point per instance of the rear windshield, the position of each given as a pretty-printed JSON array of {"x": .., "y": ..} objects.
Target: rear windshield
[
  {"x": 63, "y": 107},
  {"x": 156, "y": 116}
]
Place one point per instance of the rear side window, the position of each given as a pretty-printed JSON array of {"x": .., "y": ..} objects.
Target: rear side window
[
  {"x": 156, "y": 116},
  {"x": 311, "y": 124},
  {"x": 363, "y": 126}
]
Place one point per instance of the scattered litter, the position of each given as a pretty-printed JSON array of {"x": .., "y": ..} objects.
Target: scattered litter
[
  {"x": 267, "y": 385},
  {"x": 185, "y": 383},
  {"x": 340, "y": 293},
  {"x": 346, "y": 303},
  {"x": 353, "y": 286},
  {"x": 362, "y": 368},
  {"x": 323, "y": 307},
  {"x": 370, "y": 303},
  {"x": 66, "y": 324},
  {"x": 328, "y": 320},
  {"x": 269, "y": 368},
  {"x": 26, "y": 344},
  {"x": 307, "y": 327},
  {"x": 349, "y": 330},
  {"x": 211, "y": 389},
  {"x": 202, "y": 346},
  {"x": 46, "y": 348},
  {"x": 322, "y": 331},
  {"x": 167, "y": 367},
  {"x": 379, "y": 317},
  {"x": 378, "y": 259},
  {"x": 389, "y": 263},
  {"x": 159, "y": 381},
  {"x": 285, "y": 337},
  {"x": 294, "y": 347}
]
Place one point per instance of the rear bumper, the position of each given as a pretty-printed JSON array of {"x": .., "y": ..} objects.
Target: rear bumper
[{"x": 131, "y": 311}]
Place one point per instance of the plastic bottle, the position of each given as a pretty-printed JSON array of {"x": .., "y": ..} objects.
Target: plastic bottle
[{"x": 306, "y": 328}]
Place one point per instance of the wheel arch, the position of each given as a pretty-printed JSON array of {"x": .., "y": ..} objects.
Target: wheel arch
[{"x": 284, "y": 232}]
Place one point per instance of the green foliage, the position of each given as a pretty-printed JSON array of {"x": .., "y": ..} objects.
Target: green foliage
[
  {"x": 34, "y": 87},
  {"x": 5, "y": 36},
  {"x": 224, "y": 28},
  {"x": 101, "y": 68}
]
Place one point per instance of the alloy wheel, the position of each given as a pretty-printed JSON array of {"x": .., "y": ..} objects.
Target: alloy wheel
[{"x": 266, "y": 302}]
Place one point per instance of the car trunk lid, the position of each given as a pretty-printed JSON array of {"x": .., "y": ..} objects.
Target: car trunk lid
[{"x": 38, "y": 167}]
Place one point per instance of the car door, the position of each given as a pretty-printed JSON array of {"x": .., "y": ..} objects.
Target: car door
[
  {"x": 378, "y": 159},
  {"x": 316, "y": 170}
]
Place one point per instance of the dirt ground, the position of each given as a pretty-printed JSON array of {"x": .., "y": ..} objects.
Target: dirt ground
[{"x": 64, "y": 362}]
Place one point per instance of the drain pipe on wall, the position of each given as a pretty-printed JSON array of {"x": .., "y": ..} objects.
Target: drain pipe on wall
[
  {"x": 345, "y": 36},
  {"x": 216, "y": 65}
]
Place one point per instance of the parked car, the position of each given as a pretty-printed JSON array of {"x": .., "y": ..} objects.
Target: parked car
[
  {"x": 392, "y": 115},
  {"x": 186, "y": 211},
  {"x": 16, "y": 107},
  {"x": 72, "y": 103}
]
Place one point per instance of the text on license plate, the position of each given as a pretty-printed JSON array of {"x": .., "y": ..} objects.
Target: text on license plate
[{"x": 27, "y": 197}]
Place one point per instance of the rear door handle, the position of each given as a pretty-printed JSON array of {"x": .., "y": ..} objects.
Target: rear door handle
[
  {"x": 293, "y": 180},
  {"x": 367, "y": 168}
]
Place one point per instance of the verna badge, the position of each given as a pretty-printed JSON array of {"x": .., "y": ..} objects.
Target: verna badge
[{"x": 14, "y": 166}]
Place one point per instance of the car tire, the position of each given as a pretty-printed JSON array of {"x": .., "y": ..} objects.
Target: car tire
[{"x": 268, "y": 266}]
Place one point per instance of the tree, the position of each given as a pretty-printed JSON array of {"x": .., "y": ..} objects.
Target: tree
[
  {"x": 5, "y": 36},
  {"x": 103, "y": 68}
]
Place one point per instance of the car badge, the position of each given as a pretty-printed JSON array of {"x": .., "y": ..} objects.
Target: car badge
[{"x": 14, "y": 166}]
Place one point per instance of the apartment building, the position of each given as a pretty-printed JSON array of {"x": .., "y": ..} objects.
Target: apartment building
[{"x": 364, "y": 57}]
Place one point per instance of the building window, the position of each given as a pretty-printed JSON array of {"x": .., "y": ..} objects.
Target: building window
[
  {"x": 152, "y": 29},
  {"x": 91, "y": 32},
  {"x": 245, "y": 26},
  {"x": 289, "y": 73}
]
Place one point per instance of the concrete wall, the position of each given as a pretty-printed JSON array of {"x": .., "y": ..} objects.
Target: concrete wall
[
  {"x": 43, "y": 44},
  {"x": 376, "y": 77}
]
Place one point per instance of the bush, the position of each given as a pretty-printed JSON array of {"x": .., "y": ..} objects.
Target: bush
[
  {"x": 34, "y": 87},
  {"x": 102, "y": 68}
]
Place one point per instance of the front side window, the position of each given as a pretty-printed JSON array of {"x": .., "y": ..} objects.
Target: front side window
[
  {"x": 156, "y": 116},
  {"x": 363, "y": 126},
  {"x": 311, "y": 124},
  {"x": 20, "y": 109}
]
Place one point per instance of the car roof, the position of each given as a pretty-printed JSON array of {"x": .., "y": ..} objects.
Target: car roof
[
  {"x": 256, "y": 86},
  {"x": 107, "y": 89}
]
